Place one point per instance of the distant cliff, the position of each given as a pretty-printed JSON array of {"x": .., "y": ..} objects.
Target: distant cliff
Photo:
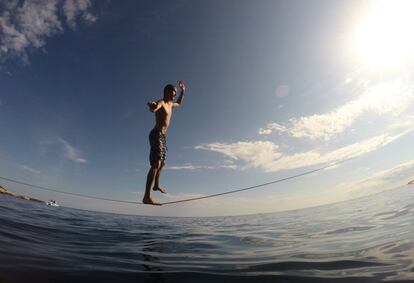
[{"x": 3, "y": 191}]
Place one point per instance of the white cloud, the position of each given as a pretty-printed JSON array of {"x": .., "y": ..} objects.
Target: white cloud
[
  {"x": 70, "y": 152},
  {"x": 198, "y": 167},
  {"x": 266, "y": 155},
  {"x": 386, "y": 179},
  {"x": 264, "y": 131},
  {"x": 349, "y": 151},
  {"x": 29, "y": 169},
  {"x": 27, "y": 24},
  {"x": 75, "y": 8},
  {"x": 182, "y": 167},
  {"x": 271, "y": 127},
  {"x": 389, "y": 98},
  {"x": 255, "y": 154},
  {"x": 325, "y": 126}
]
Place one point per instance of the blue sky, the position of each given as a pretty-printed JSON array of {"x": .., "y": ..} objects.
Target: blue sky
[{"x": 275, "y": 88}]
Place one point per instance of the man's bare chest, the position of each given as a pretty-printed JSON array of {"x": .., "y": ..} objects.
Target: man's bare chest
[{"x": 165, "y": 111}]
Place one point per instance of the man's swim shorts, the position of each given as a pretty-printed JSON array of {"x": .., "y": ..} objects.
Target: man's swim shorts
[{"x": 158, "y": 146}]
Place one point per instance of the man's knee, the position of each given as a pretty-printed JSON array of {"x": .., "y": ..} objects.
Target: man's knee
[{"x": 156, "y": 165}]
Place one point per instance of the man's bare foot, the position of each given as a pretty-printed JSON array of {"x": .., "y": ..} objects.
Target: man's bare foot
[
  {"x": 162, "y": 190},
  {"x": 150, "y": 200}
]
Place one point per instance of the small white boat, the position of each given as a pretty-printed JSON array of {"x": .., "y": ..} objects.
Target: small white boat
[{"x": 52, "y": 203}]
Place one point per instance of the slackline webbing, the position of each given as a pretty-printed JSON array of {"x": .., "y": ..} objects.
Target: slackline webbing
[
  {"x": 66, "y": 193},
  {"x": 183, "y": 200}
]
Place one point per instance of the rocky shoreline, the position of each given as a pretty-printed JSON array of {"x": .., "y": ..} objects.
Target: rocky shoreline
[{"x": 3, "y": 191}]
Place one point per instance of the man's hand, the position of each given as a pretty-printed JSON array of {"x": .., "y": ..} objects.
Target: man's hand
[
  {"x": 152, "y": 105},
  {"x": 182, "y": 86},
  {"x": 181, "y": 97}
]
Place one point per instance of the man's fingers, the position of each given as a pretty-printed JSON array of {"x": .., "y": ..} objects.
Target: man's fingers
[{"x": 181, "y": 85}]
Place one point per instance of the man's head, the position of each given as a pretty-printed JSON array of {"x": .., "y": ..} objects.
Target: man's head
[{"x": 170, "y": 91}]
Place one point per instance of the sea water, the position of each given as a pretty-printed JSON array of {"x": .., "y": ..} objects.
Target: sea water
[{"x": 370, "y": 239}]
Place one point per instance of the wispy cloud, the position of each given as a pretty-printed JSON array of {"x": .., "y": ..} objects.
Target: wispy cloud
[
  {"x": 388, "y": 98},
  {"x": 266, "y": 155},
  {"x": 264, "y": 131},
  {"x": 254, "y": 154},
  {"x": 183, "y": 167},
  {"x": 29, "y": 169},
  {"x": 27, "y": 24},
  {"x": 71, "y": 152},
  {"x": 198, "y": 167},
  {"x": 389, "y": 178},
  {"x": 73, "y": 9},
  {"x": 272, "y": 127}
]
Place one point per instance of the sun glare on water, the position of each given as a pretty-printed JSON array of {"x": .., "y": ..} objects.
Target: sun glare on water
[{"x": 385, "y": 36}]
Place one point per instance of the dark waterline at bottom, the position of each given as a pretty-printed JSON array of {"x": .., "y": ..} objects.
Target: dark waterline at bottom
[{"x": 47, "y": 276}]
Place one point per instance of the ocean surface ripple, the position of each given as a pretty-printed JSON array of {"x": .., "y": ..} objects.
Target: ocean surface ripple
[{"x": 364, "y": 240}]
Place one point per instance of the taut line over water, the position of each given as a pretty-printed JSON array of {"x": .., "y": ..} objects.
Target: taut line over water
[{"x": 183, "y": 200}]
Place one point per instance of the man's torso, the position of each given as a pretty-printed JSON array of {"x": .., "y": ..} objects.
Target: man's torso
[{"x": 163, "y": 117}]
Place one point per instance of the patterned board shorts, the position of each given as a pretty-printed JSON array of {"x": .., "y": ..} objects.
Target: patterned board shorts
[{"x": 158, "y": 144}]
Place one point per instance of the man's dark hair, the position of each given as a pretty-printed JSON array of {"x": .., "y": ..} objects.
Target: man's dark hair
[{"x": 168, "y": 88}]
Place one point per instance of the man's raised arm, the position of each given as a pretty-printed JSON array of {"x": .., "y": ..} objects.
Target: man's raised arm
[{"x": 181, "y": 96}]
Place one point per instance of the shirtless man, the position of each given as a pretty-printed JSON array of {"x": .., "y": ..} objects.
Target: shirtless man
[{"x": 157, "y": 137}]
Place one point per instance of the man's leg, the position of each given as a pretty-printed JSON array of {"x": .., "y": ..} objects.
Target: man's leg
[
  {"x": 157, "y": 186},
  {"x": 150, "y": 179}
]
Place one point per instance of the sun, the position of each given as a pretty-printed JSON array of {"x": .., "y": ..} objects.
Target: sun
[{"x": 384, "y": 37}]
